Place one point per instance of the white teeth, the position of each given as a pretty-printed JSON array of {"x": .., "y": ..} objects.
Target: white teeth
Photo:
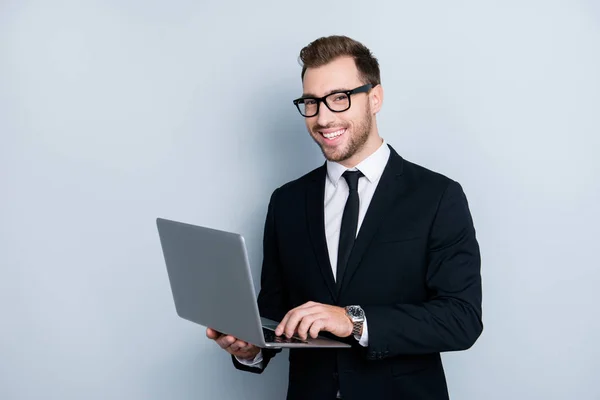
[{"x": 331, "y": 135}]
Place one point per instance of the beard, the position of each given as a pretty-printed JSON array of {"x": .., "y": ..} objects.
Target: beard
[{"x": 356, "y": 141}]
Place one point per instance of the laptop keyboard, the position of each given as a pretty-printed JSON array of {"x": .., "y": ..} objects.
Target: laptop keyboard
[{"x": 270, "y": 337}]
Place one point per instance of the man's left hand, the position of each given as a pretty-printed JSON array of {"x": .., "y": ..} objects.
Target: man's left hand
[{"x": 311, "y": 318}]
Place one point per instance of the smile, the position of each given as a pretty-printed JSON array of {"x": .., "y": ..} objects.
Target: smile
[{"x": 333, "y": 135}]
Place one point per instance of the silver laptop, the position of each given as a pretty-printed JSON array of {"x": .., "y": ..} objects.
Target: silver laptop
[{"x": 212, "y": 285}]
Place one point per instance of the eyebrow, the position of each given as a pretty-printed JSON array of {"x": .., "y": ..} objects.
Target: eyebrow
[{"x": 309, "y": 95}]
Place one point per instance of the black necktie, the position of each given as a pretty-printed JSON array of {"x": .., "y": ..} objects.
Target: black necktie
[{"x": 349, "y": 224}]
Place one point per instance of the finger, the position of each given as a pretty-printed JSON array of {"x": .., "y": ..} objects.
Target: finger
[
  {"x": 295, "y": 319},
  {"x": 247, "y": 348},
  {"x": 305, "y": 324},
  {"x": 316, "y": 327},
  {"x": 237, "y": 345},
  {"x": 281, "y": 327},
  {"x": 225, "y": 341},
  {"x": 212, "y": 334},
  {"x": 309, "y": 321},
  {"x": 292, "y": 321}
]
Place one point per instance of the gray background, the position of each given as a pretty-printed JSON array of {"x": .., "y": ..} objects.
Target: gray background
[{"x": 115, "y": 112}]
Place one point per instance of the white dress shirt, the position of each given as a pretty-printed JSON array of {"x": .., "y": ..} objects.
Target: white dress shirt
[{"x": 336, "y": 194}]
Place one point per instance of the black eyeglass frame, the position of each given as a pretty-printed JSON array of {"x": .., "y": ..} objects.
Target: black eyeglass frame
[{"x": 319, "y": 100}]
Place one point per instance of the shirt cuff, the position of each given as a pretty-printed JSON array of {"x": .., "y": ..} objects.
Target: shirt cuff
[
  {"x": 363, "y": 340},
  {"x": 256, "y": 362}
]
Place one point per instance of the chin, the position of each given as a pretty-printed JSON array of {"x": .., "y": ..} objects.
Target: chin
[{"x": 336, "y": 155}]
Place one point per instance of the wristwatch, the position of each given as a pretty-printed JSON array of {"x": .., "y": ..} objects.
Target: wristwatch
[{"x": 357, "y": 316}]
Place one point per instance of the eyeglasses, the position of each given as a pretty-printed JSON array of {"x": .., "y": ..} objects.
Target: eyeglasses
[{"x": 338, "y": 101}]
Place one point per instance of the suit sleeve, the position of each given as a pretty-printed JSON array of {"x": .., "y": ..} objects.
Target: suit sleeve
[
  {"x": 451, "y": 318},
  {"x": 272, "y": 297}
]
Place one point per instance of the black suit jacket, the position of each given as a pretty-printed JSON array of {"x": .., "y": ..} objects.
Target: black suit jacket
[{"x": 414, "y": 269}]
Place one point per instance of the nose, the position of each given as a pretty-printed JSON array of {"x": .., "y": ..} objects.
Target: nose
[{"x": 325, "y": 115}]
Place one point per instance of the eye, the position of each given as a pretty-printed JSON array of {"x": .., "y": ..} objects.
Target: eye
[
  {"x": 340, "y": 97},
  {"x": 310, "y": 102}
]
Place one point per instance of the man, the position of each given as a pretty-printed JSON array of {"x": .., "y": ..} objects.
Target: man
[{"x": 369, "y": 247}]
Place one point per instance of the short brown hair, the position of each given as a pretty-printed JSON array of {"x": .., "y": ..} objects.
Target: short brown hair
[{"x": 324, "y": 50}]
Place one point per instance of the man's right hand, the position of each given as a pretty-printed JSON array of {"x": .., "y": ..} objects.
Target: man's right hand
[{"x": 232, "y": 345}]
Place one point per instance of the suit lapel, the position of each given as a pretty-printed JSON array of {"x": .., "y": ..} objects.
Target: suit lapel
[
  {"x": 389, "y": 188},
  {"x": 315, "y": 211}
]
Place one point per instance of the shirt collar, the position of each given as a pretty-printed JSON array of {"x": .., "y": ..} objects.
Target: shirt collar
[{"x": 372, "y": 167}]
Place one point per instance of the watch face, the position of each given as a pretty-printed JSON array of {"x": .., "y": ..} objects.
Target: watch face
[{"x": 355, "y": 312}]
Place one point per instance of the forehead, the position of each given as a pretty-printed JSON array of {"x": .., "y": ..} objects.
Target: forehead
[{"x": 340, "y": 73}]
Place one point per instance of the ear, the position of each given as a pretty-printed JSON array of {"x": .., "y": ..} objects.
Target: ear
[{"x": 376, "y": 98}]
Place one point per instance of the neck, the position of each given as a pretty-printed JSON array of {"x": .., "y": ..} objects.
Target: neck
[{"x": 370, "y": 147}]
